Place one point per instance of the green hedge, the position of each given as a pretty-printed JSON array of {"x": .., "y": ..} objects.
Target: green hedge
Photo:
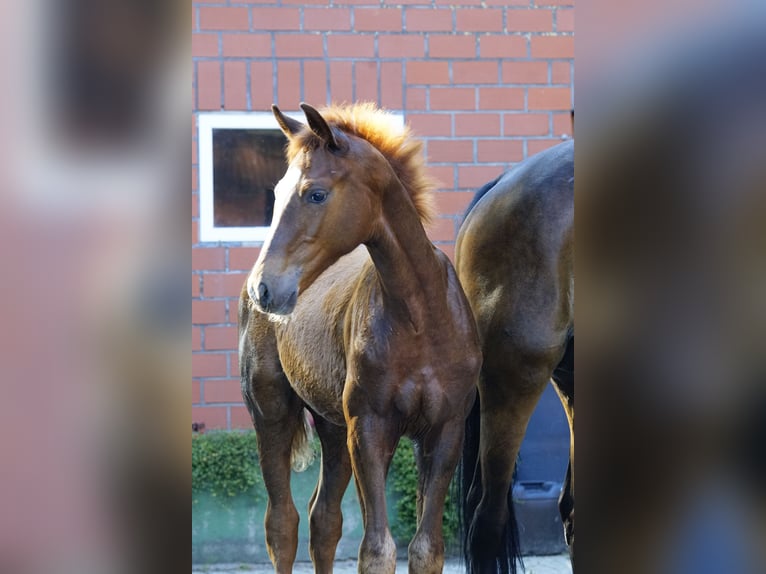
[{"x": 225, "y": 465}]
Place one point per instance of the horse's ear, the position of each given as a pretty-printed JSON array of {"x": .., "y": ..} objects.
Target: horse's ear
[
  {"x": 289, "y": 126},
  {"x": 319, "y": 126}
]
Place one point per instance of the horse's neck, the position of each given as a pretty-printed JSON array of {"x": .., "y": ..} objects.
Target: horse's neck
[{"x": 411, "y": 275}]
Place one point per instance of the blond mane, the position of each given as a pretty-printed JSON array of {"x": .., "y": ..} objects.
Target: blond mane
[{"x": 402, "y": 150}]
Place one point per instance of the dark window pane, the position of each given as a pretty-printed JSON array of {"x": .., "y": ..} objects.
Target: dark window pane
[{"x": 247, "y": 164}]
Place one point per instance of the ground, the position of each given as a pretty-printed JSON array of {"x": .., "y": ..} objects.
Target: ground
[{"x": 533, "y": 565}]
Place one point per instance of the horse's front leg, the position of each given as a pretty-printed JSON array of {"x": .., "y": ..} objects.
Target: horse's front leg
[
  {"x": 325, "y": 518},
  {"x": 437, "y": 455},
  {"x": 372, "y": 440}
]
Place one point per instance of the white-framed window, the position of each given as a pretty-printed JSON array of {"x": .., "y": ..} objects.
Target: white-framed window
[{"x": 241, "y": 158}]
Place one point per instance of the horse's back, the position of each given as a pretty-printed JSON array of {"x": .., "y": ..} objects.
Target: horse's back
[{"x": 515, "y": 251}]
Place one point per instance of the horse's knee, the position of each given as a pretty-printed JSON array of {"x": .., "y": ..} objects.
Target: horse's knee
[
  {"x": 426, "y": 555},
  {"x": 377, "y": 554}
]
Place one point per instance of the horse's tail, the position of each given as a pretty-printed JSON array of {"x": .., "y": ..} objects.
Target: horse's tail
[
  {"x": 302, "y": 451},
  {"x": 509, "y": 553}
]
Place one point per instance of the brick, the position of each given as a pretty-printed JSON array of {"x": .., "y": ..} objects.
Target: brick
[
  {"x": 401, "y": 46},
  {"x": 475, "y": 72},
  {"x": 204, "y": 45},
  {"x": 195, "y": 392},
  {"x": 240, "y": 418},
  {"x": 366, "y": 81},
  {"x": 452, "y": 202},
  {"x": 194, "y": 146},
  {"x": 196, "y": 283},
  {"x": 195, "y": 232},
  {"x": 477, "y": 125},
  {"x": 502, "y": 46},
  {"x": 453, "y": 98},
  {"x": 441, "y": 229},
  {"x": 391, "y": 86},
  {"x": 526, "y": 20},
  {"x": 208, "y": 258},
  {"x": 195, "y": 187},
  {"x": 562, "y": 124},
  {"x": 205, "y": 312},
  {"x": 474, "y": 176},
  {"x": 208, "y": 86},
  {"x": 452, "y": 150},
  {"x": 314, "y": 84},
  {"x": 428, "y": 73},
  {"x": 505, "y": 151},
  {"x": 341, "y": 82},
  {"x": 430, "y": 124},
  {"x": 552, "y": 46},
  {"x": 326, "y": 19},
  {"x": 429, "y": 20},
  {"x": 479, "y": 20},
  {"x": 501, "y": 98},
  {"x": 452, "y": 46},
  {"x": 247, "y": 45},
  {"x": 227, "y": 391},
  {"x": 196, "y": 339},
  {"x": 536, "y": 146},
  {"x": 234, "y": 360},
  {"x": 555, "y": 2},
  {"x": 270, "y": 19},
  {"x": 213, "y": 417},
  {"x": 417, "y": 98},
  {"x": 242, "y": 258},
  {"x": 261, "y": 85},
  {"x": 525, "y": 72},
  {"x": 561, "y": 72},
  {"x": 525, "y": 125},
  {"x": 223, "y": 284},
  {"x": 235, "y": 85},
  {"x": 288, "y": 84},
  {"x": 378, "y": 19},
  {"x": 444, "y": 175},
  {"x": 506, "y": 2},
  {"x": 565, "y": 20},
  {"x": 460, "y": 2},
  {"x": 208, "y": 365},
  {"x": 220, "y": 18},
  {"x": 350, "y": 46},
  {"x": 549, "y": 99},
  {"x": 220, "y": 338},
  {"x": 298, "y": 46}
]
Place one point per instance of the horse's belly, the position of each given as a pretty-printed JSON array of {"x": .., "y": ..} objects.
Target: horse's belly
[{"x": 319, "y": 390}]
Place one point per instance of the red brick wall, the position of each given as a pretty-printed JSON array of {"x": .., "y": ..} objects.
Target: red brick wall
[{"x": 485, "y": 84}]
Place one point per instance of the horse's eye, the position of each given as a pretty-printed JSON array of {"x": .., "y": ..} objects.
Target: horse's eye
[{"x": 317, "y": 196}]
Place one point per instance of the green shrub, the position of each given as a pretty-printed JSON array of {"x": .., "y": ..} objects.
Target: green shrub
[
  {"x": 225, "y": 465},
  {"x": 404, "y": 484}
]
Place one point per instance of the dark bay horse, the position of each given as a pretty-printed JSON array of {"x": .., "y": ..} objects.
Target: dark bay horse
[
  {"x": 514, "y": 256},
  {"x": 376, "y": 341}
]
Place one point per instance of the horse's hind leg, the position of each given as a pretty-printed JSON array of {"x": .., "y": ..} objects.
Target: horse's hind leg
[
  {"x": 325, "y": 518},
  {"x": 437, "y": 456},
  {"x": 563, "y": 381},
  {"x": 277, "y": 415},
  {"x": 510, "y": 387}
]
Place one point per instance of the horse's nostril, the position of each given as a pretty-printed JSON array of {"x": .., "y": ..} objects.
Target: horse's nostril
[{"x": 263, "y": 293}]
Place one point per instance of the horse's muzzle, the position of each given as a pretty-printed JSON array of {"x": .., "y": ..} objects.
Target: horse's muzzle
[{"x": 271, "y": 300}]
